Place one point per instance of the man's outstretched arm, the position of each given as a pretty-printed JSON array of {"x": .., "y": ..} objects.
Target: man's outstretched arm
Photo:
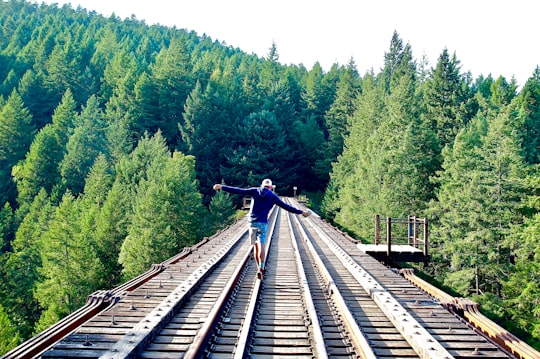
[
  {"x": 231, "y": 189},
  {"x": 290, "y": 208}
]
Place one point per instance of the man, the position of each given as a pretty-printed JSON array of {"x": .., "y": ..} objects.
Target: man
[{"x": 263, "y": 201}]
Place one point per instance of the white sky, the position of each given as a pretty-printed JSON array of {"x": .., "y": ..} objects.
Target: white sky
[{"x": 497, "y": 37}]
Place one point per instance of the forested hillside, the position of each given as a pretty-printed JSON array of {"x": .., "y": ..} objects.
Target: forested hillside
[{"x": 112, "y": 133}]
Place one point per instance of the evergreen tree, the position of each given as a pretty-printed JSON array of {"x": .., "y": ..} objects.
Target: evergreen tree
[
  {"x": 84, "y": 146},
  {"x": 317, "y": 97},
  {"x": 122, "y": 108},
  {"x": 21, "y": 271},
  {"x": 36, "y": 98},
  {"x": 269, "y": 73},
  {"x": 210, "y": 117},
  {"x": 147, "y": 118},
  {"x": 477, "y": 205},
  {"x": 522, "y": 290},
  {"x": 9, "y": 337},
  {"x": 41, "y": 167},
  {"x": 111, "y": 229},
  {"x": 16, "y": 133},
  {"x": 337, "y": 119},
  {"x": 366, "y": 118},
  {"x": 261, "y": 151},
  {"x": 70, "y": 268},
  {"x": 97, "y": 186},
  {"x": 222, "y": 212},
  {"x": 446, "y": 99},
  {"x": 388, "y": 170},
  {"x": 528, "y": 110},
  {"x": 166, "y": 215},
  {"x": 310, "y": 139},
  {"x": 171, "y": 75},
  {"x": 132, "y": 169},
  {"x": 7, "y": 226}
]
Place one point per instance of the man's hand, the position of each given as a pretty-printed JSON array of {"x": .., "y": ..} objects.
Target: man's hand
[
  {"x": 306, "y": 213},
  {"x": 217, "y": 187}
]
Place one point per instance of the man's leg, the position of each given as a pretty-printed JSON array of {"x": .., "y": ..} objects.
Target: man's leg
[
  {"x": 262, "y": 238},
  {"x": 263, "y": 251},
  {"x": 254, "y": 234}
]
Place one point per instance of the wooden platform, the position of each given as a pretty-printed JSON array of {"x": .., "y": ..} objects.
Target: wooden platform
[{"x": 398, "y": 252}]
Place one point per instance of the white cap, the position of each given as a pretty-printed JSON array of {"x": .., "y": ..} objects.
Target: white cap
[{"x": 266, "y": 183}]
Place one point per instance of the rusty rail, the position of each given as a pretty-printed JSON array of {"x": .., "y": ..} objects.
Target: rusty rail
[
  {"x": 95, "y": 303},
  {"x": 471, "y": 312}
]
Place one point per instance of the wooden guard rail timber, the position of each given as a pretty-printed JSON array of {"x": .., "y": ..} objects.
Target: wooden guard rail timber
[{"x": 471, "y": 312}]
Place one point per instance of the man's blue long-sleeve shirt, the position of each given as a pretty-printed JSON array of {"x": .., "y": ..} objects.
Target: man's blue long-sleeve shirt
[{"x": 263, "y": 201}]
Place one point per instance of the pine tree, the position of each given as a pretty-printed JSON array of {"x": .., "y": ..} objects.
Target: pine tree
[
  {"x": 171, "y": 74},
  {"x": 261, "y": 151},
  {"x": 7, "y": 225},
  {"x": 22, "y": 266},
  {"x": 9, "y": 337},
  {"x": 385, "y": 170},
  {"x": 41, "y": 167},
  {"x": 366, "y": 118},
  {"x": 528, "y": 110},
  {"x": 70, "y": 268},
  {"x": 111, "y": 229},
  {"x": 338, "y": 118},
  {"x": 166, "y": 214},
  {"x": 522, "y": 290},
  {"x": 222, "y": 212},
  {"x": 97, "y": 186},
  {"x": 446, "y": 99},
  {"x": 16, "y": 133},
  {"x": 209, "y": 117},
  {"x": 84, "y": 146},
  {"x": 477, "y": 204},
  {"x": 36, "y": 98}
]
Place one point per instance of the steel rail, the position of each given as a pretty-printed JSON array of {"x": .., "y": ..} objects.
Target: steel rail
[
  {"x": 320, "y": 348},
  {"x": 240, "y": 350},
  {"x": 508, "y": 341},
  {"x": 46, "y": 339},
  {"x": 356, "y": 335},
  {"x": 137, "y": 338},
  {"x": 197, "y": 346},
  {"x": 444, "y": 298},
  {"x": 471, "y": 313},
  {"x": 96, "y": 303},
  {"x": 425, "y": 345}
]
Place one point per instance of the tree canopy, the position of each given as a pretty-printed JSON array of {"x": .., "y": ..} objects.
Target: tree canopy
[{"x": 112, "y": 133}]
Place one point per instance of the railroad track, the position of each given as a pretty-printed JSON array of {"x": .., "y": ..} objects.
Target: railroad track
[{"x": 321, "y": 297}]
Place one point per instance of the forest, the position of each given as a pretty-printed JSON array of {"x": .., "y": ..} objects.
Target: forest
[{"x": 112, "y": 133}]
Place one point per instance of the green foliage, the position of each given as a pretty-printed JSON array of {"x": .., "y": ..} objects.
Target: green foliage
[
  {"x": 9, "y": 338},
  {"x": 41, "y": 167},
  {"x": 337, "y": 119},
  {"x": 111, "y": 229},
  {"x": 446, "y": 99},
  {"x": 16, "y": 133},
  {"x": 222, "y": 212},
  {"x": 84, "y": 146},
  {"x": 70, "y": 268},
  {"x": 166, "y": 210},
  {"x": 386, "y": 164},
  {"x": 7, "y": 225},
  {"x": 522, "y": 289},
  {"x": 478, "y": 201},
  {"x": 97, "y": 105},
  {"x": 21, "y": 271},
  {"x": 528, "y": 111}
]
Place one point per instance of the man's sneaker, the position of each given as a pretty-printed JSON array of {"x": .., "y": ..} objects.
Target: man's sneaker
[{"x": 260, "y": 273}]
